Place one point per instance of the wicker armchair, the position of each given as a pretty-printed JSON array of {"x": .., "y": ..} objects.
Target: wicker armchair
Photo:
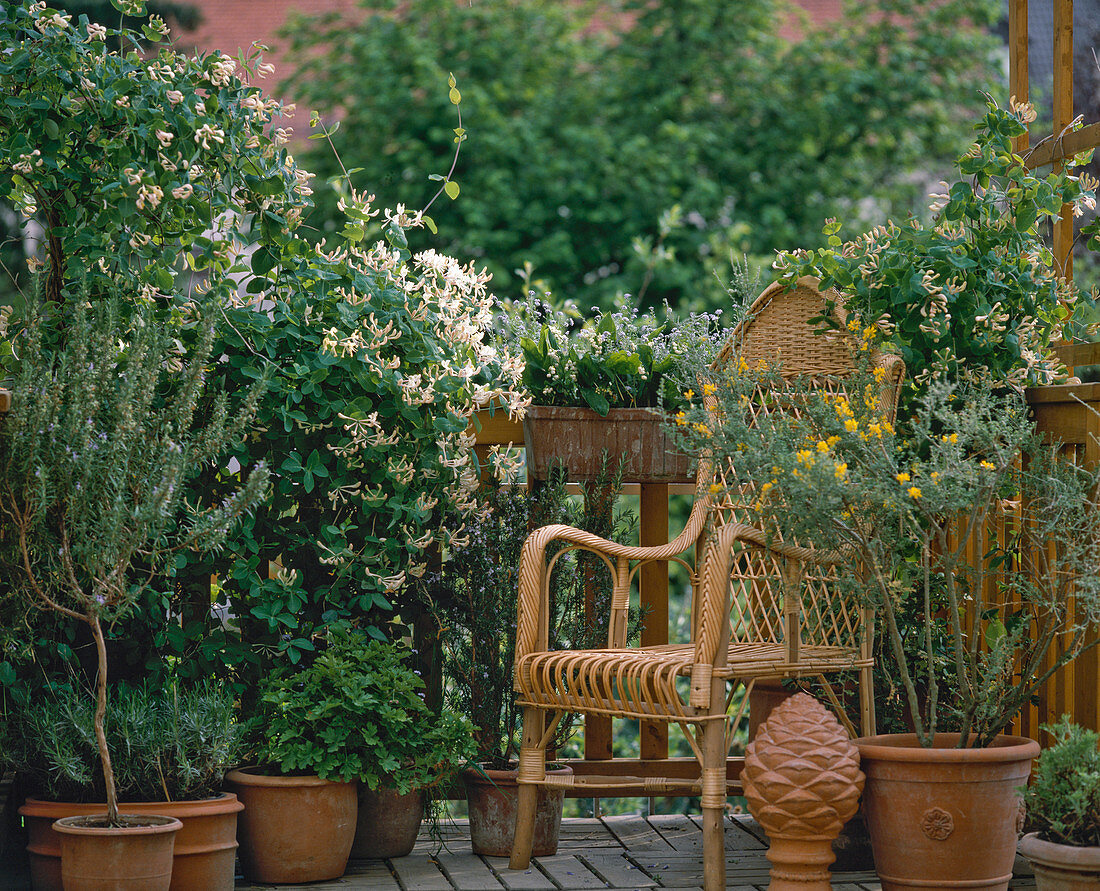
[{"x": 758, "y": 611}]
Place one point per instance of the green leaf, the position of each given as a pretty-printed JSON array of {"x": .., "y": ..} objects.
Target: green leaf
[
  {"x": 451, "y": 188},
  {"x": 994, "y": 631}
]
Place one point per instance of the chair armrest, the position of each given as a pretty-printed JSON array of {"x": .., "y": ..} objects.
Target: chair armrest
[{"x": 532, "y": 617}]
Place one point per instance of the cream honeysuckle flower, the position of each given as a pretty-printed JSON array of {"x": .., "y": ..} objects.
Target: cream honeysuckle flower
[{"x": 207, "y": 134}]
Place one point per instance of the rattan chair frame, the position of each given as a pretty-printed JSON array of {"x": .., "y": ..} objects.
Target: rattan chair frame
[{"x": 641, "y": 682}]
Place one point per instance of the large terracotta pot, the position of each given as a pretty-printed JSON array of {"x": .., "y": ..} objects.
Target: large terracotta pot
[
  {"x": 388, "y": 823},
  {"x": 293, "y": 829},
  {"x": 943, "y": 817},
  {"x": 1061, "y": 867},
  {"x": 493, "y": 802},
  {"x": 577, "y": 437},
  {"x": 205, "y": 848},
  {"x": 134, "y": 857}
]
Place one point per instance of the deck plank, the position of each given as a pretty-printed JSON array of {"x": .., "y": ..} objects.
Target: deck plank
[
  {"x": 677, "y": 829},
  {"x": 635, "y": 834},
  {"x": 418, "y": 872},
  {"x": 468, "y": 873},
  {"x": 585, "y": 833},
  {"x": 569, "y": 872},
  {"x": 374, "y": 873},
  {"x": 617, "y": 870},
  {"x": 530, "y": 879}
]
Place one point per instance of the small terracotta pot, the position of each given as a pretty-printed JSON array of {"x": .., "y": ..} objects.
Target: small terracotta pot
[
  {"x": 205, "y": 848},
  {"x": 388, "y": 823},
  {"x": 133, "y": 857},
  {"x": 293, "y": 829},
  {"x": 1061, "y": 867},
  {"x": 943, "y": 817},
  {"x": 493, "y": 803}
]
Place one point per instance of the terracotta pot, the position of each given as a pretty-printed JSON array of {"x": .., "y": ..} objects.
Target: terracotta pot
[
  {"x": 205, "y": 849},
  {"x": 577, "y": 437},
  {"x": 493, "y": 802},
  {"x": 134, "y": 857},
  {"x": 388, "y": 823},
  {"x": 765, "y": 695},
  {"x": 293, "y": 829},
  {"x": 1061, "y": 867},
  {"x": 943, "y": 817}
]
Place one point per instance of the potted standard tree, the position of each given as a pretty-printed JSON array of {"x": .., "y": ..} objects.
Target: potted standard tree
[
  {"x": 907, "y": 512},
  {"x": 973, "y": 300},
  {"x": 1063, "y": 808},
  {"x": 92, "y": 460}
]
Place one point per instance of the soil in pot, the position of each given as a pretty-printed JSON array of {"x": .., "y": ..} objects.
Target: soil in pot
[
  {"x": 1061, "y": 867},
  {"x": 943, "y": 817},
  {"x": 388, "y": 823},
  {"x": 136, "y": 856},
  {"x": 205, "y": 848},
  {"x": 493, "y": 800},
  {"x": 293, "y": 829}
]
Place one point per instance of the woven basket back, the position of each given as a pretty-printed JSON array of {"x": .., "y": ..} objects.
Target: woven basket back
[{"x": 778, "y": 329}]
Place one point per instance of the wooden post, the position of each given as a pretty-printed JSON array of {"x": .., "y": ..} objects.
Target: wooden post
[
  {"x": 1063, "y": 115},
  {"x": 597, "y": 728},
  {"x": 1018, "y": 77},
  {"x": 653, "y": 530}
]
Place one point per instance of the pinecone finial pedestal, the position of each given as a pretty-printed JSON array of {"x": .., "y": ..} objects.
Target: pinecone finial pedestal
[{"x": 803, "y": 782}]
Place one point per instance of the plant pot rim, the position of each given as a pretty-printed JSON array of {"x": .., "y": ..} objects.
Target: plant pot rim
[
  {"x": 904, "y": 747},
  {"x": 222, "y": 803},
  {"x": 1056, "y": 854},
  {"x": 254, "y": 775},
  {"x": 135, "y": 824}
]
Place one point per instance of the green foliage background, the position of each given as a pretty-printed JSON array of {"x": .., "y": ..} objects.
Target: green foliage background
[{"x": 587, "y": 121}]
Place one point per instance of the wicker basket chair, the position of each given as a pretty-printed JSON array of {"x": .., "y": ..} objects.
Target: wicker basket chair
[{"x": 759, "y": 610}]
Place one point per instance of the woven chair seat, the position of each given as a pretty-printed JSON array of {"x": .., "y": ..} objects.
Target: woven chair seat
[{"x": 641, "y": 682}]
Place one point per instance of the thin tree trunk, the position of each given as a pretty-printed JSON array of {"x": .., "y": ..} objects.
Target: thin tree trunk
[{"x": 92, "y": 619}]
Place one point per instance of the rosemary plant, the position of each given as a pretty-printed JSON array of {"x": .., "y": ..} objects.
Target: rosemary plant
[{"x": 93, "y": 456}]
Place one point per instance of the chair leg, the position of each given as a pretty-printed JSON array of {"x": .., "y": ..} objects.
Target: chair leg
[
  {"x": 532, "y": 768},
  {"x": 714, "y": 795}
]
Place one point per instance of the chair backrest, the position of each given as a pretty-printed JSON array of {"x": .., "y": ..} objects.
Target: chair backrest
[{"x": 777, "y": 329}]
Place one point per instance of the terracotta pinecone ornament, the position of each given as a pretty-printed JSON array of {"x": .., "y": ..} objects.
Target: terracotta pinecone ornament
[{"x": 803, "y": 782}]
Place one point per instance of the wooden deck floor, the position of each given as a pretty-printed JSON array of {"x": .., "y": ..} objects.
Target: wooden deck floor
[{"x": 612, "y": 852}]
